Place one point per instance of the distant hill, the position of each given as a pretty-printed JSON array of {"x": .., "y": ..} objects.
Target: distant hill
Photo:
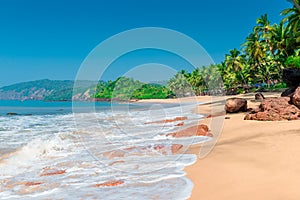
[{"x": 48, "y": 90}]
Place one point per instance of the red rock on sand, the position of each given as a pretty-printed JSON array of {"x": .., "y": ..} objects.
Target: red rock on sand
[
  {"x": 275, "y": 109},
  {"x": 168, "y": 120},
  {"x": 296, "y": 98},
  {"x": 112, "y": 183},
  {"x": 50, "y": 172},
  {"x": 198, "y": 130}
]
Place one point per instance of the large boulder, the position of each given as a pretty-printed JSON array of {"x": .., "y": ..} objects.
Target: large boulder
[
  {"x": 291, "y": 77},
  {"x": 275, "y": 109},
  {"x": 288, "y": 92},
  {"x": 234, "y": 105},
  {"x": 296, "y": 98}
]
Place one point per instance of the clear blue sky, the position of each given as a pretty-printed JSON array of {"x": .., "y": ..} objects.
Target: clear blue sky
[{"x": 50, "y": 38}]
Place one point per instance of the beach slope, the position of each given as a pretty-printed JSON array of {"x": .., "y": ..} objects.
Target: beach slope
[{"x": 251, "y": 160}]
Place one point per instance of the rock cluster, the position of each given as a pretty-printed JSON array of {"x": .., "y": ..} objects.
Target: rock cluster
[{"x": 277, "y": 109}]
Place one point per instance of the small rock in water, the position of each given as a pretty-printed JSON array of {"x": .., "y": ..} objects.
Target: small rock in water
[
  {"x": 33, "y": 183},
  {"x": 110, "y": 183},
  {"x": 51, "y": 172},
  {"x": 11, "y": 113},
  {"x": 180, "y": 124}
]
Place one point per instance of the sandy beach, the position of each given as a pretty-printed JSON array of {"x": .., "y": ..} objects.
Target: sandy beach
[{"x": 251, "y": 160}]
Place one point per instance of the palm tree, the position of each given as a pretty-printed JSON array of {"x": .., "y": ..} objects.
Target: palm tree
[
  {"x": 179, "y": 84},
  {"x": 263, "y": 24},
  {"x": 295, "y": 3},
  {"x": 264, "y": 29},
  {"x": 282, "y": 40},
  {"x": 292, "y": 18},
  {"x": 235, "y": 63},
  {"x": 196, "y": 80}
]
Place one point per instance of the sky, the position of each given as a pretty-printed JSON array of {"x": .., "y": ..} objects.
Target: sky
[{"x": 51, "y": 38}]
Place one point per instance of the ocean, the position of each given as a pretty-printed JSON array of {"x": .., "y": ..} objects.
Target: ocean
[{"x": 86, "y": 150}]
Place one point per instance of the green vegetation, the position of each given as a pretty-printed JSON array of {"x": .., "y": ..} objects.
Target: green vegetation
[
  {"x": 127, "y": 88},
  {"x": 293, "y": 62}
]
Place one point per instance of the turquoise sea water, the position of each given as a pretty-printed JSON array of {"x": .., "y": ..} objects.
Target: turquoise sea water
[{"x": 42, "y": 108}]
